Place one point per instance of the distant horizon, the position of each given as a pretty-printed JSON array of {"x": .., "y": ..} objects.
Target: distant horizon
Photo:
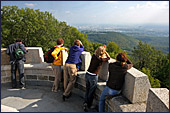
[
  {"x": 129, "y": 24},
  {"x": 102, "y": 12}
]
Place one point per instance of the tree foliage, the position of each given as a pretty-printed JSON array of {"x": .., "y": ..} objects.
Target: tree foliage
[
  {"x": 37, "y": 28},
  {"x": 147, "y": 58},
  {"x": 155, "y": 83},
  {"x": 113, "y": 49}
]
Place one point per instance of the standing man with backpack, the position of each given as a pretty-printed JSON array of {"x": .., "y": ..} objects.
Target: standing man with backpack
[
  {"x": 56, "y": 65},
  {"x": 17, "y": 52}
]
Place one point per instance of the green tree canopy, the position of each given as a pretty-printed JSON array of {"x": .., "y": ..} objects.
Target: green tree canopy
[
  {"x": 146, "y": 57},
  {"x": 37, "y": 28},
  {"x": 113, "y": 49}
]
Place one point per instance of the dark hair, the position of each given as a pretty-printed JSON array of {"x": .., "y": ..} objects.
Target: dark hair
[
  {"x": 60, "y": 41},
  {"x": 18, "y": 40},
  {"x": 77, "y": 42},
  {"x": 121, "y": 57}
]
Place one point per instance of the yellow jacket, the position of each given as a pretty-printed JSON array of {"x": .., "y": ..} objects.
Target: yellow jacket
[{"x": 55, "y": 53}]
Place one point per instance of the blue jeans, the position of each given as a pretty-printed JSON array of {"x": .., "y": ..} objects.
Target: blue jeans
[
  {"x": 106, "y": 91},
  {"x": 20, "y": 66},
  {"x": 91, "y": 84}
]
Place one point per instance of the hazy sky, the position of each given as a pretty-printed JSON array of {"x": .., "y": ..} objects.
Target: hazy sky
[{"x": 102, "y": 12}]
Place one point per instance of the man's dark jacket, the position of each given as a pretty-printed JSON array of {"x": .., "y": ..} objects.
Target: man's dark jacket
[{"x": 11, "y": 49}]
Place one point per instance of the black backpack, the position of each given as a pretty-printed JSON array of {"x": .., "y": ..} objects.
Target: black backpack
[
  {"x": 48, "y": 57},
  {"x": 19, "y": 54}
]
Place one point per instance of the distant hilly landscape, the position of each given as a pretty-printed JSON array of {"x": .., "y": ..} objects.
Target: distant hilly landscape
[{"x": 127, "y": 41}]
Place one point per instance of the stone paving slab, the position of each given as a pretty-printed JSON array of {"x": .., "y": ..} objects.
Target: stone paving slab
[{"x": 40, "y": 99}]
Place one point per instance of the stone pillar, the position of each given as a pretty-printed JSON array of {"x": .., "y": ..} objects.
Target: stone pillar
[
  {"x": 103, "y": 73},
  {"x": 136, "y": 86},
  {"x": 64, "y": 57},
  {"x": 86, "y": 58},
  {"x": 158, "y": 100},
  {"x": 34, "y": 55}
]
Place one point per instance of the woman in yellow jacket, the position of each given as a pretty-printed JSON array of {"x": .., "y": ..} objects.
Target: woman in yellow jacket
[{"x": 56, "y": 65}]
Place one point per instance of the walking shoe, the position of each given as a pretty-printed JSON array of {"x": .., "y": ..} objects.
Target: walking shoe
[{"x": 22, "y": 86}]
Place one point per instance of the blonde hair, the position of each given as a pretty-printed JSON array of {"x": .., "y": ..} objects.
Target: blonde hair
[{"x": 100, "y": 51}]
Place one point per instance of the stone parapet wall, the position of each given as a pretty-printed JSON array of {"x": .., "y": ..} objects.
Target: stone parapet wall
[
  {"x": 136, "y": 86},
  {"x": 122, "y": 104},
  {"x": 34, "y": 55},
  {"x": 137, "y": 94},
  {"x": 41, "y": 71},
  {"x": 115, "y": 104}
]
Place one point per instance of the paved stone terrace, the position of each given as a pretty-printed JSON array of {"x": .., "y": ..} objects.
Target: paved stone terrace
[{"x": 39, "y": 99}]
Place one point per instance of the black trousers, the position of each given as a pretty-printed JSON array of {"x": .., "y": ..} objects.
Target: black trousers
[{"x": 20, "y": 66}]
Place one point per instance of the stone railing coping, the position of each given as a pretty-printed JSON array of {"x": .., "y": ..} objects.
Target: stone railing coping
[
  {"x": 34, "y": 55},
  {"x": 158, "y": 100}
]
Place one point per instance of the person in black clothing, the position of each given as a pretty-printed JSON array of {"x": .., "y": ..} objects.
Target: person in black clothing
[
  {"x": 117, "y": 72},
  {"x": 17, "y": 63},
  {"x": 91, "y": 76}
]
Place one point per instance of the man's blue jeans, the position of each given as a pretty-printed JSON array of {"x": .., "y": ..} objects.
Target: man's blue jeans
[
  {"x": 106, "y": 91},
  {"x": 20, "y": 66},
  {"x": 91, "y": 84}
]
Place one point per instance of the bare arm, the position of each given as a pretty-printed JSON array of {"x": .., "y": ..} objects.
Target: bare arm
[{"x": 106, "y": 59}]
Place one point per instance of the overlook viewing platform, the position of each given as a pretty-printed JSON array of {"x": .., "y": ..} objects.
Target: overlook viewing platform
[{"x": 137, "y": 94}]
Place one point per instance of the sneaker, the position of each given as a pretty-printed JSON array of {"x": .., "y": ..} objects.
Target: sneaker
[{"x": 23, "y": 87}]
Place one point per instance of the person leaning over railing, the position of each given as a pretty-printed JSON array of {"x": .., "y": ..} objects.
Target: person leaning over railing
[
  {"x": 117, "y": 72},
  {"x": 70, "y": 69},
  {"x": 91, "y": 76}
]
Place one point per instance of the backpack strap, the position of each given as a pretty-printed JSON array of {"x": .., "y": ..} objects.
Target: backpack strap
[
  {"x": 17, "y": 46},
  {"x": 59, "y": 52}
]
